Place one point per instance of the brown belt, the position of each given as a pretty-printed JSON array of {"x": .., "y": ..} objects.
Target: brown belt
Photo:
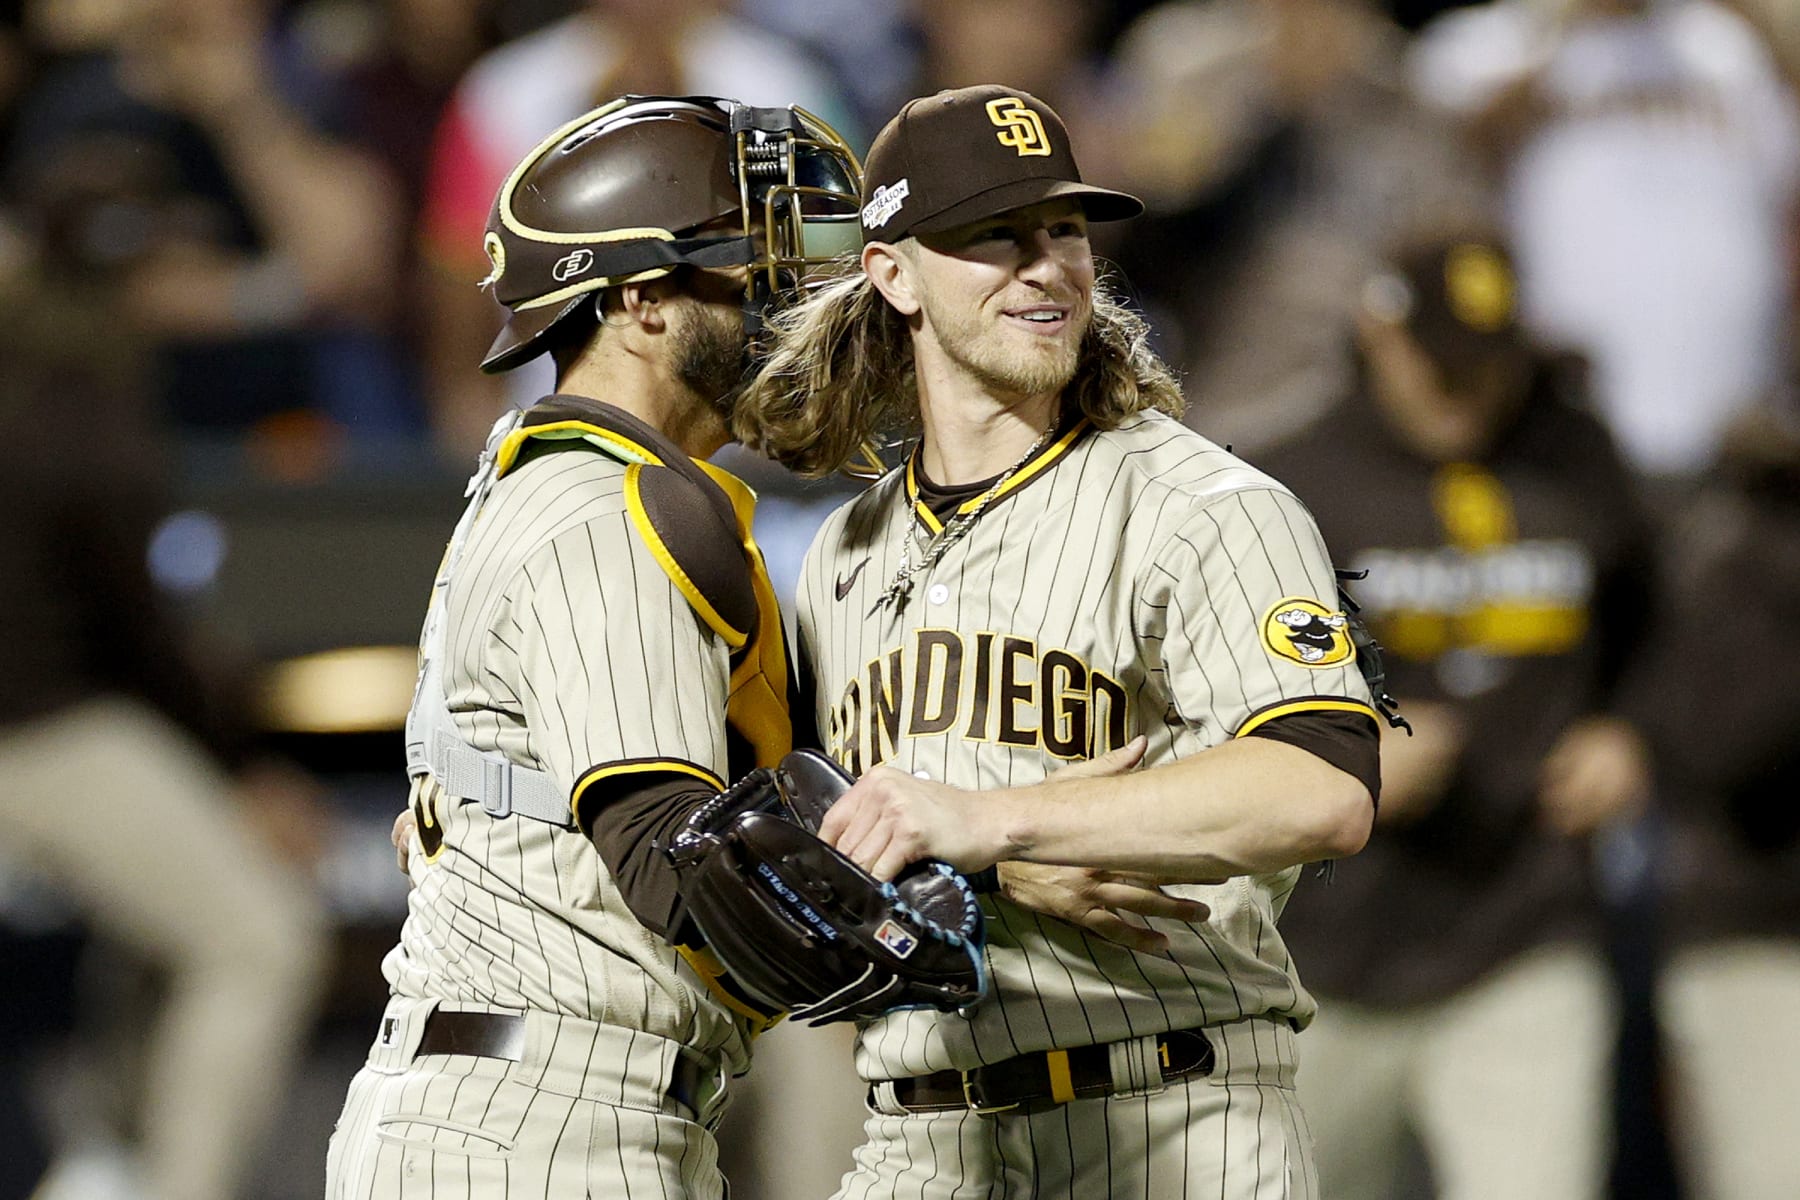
[
  {"x": 502, "y": 1035},
  {"x": 1037, "y": 1081}
]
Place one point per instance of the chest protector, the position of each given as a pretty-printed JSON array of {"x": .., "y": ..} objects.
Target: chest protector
[{"x": 696, "y": 521}]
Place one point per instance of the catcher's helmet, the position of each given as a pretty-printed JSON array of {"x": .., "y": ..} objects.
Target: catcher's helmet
[{"x": 617, "y": 195}]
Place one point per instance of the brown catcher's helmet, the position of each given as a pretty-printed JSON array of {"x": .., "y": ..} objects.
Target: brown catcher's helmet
[{"x": 617, "y": 195}]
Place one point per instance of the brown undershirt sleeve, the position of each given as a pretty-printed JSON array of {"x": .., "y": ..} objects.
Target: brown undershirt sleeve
[
  {"x": 628, "y": 828},
  {"x": 1351, "y": 742}
]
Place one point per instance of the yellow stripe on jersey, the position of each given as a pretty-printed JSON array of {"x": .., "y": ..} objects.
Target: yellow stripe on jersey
[
  {"x": 638, "y": 767},
  {"x": 665, "y": 558},
  {"x": 605, "y": 439},
  {"x": 1056, "y": 450},
  {"x": 758, "y": 706},
  {"x": 1311, "y": 704},
  {"x": 912, "y": 493}
]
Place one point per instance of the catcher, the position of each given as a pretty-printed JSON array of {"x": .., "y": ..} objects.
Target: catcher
[{"x": 601, "y": 653}]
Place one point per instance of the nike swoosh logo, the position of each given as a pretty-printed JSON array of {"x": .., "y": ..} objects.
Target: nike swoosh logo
[{"x": 844, "y": 585}]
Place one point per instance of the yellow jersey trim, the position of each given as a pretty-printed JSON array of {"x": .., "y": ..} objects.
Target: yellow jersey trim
[
  {"x": 606, "y": 439},
  {"x": 639, "y": 767},
  {"x": 1047, "y": 457},
  {"x": 758, "y": 706},
  {"x": 1316, "y": 704},
  {"x": 1062, "y": 1084},
  {"x": 713, "y": 974}
]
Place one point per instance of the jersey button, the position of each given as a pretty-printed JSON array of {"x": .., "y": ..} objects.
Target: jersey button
[{"x": 939, "y": 593}]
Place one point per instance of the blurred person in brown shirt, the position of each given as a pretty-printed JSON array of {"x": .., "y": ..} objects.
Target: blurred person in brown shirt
[
  {"x": 1463, "y": 996},
  {"x": 130, "y": 775},
  {"x": 1719, "y": 696}
]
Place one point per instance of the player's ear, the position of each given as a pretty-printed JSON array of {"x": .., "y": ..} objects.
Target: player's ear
[
  {"x": 644, "y": 304},
  {"x": 892, "y": 272}
]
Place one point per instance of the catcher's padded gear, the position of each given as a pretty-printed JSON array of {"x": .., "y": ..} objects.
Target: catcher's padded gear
[{"x": 802, "y": 928}]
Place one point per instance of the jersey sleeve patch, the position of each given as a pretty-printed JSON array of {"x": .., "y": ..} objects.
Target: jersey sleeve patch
[
  {"x": 1302, "y": 630},
  {"x": 696, "y": 547}
]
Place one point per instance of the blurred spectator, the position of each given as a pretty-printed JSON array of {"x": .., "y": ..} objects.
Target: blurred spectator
[
  {"x": 1280, "y": 154},
  {"x": 517, "y": 94},
  {"x": 115, "y": 747},
  {"x": 15, "y": 63},
  {"x": 869, "y": 44},
  {"x": 1045, "y": 47},
  {"x": 1650, "y": 155},
  {"x": 175, "y": 150},
  {"x": 1718, "y": 697},
  {"x": 394, "y": 65},
  {"x": 1462, "y": 995}
]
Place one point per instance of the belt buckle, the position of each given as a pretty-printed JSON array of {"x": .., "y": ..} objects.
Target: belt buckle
[{"x": 975, "y": 1104}]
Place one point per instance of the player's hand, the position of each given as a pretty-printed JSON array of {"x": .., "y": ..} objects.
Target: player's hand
[
  {"x": 1101, "y": 902},
  {"x": 406, "y": 826},
  {"x": 889, "y": 819},
  {"x": 1598, "y": 772}
]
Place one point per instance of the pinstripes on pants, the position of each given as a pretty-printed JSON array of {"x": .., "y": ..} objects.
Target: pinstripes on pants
[
  {"x": 1236, "y": 1135},
  {"x": 583, "y": 1113}
]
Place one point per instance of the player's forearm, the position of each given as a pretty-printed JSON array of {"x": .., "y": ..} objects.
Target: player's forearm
[{"x": 1246, "y": 807}]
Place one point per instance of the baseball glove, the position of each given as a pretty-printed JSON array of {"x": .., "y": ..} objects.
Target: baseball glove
[{"x": 802, "y": 928}]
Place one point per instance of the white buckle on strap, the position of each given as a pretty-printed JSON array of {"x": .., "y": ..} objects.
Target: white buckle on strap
[{"x": 496, "y": 788}]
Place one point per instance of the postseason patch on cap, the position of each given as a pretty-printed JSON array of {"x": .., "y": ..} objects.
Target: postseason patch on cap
[{"x": 885, "y": 203}]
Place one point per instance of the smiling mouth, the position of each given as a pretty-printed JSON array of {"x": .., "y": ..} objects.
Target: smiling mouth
[{"x": 1041, "y": 320}]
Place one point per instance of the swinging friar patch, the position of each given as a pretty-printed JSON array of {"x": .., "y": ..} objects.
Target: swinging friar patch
[{"x": 1305, "y": 631}]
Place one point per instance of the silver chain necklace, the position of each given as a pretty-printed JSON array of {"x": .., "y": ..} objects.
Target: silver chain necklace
[{"x": 899, "y": 590}]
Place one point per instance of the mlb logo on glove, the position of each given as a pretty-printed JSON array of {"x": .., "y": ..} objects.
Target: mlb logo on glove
[{"x": 899, "y": 942}]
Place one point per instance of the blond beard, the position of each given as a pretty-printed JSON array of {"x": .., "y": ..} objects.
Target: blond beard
[{"x": 1001, "y": 369}]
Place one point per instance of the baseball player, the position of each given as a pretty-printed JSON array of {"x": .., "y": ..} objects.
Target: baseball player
[
  {"x": 602, "y": 651},
  {"x": 1060, "y": 568}
]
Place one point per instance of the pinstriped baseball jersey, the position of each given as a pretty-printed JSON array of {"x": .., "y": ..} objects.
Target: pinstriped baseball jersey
[
  {"x": 569, "y": 649},
  {"x": 1141, "y": 580}
]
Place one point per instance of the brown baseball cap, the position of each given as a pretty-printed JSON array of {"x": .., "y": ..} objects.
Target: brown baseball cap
[
  {"x": 968, "y": 153},
  {"x": 1457, "y": 295}
]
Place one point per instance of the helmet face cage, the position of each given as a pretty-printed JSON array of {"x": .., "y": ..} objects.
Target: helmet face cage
[{"x": 803, "y": 182}]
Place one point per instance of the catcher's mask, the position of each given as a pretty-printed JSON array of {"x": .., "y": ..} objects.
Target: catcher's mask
[{"x": 618, "y": 195}]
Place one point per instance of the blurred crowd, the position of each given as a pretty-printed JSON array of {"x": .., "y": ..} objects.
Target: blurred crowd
[{"x": 1507, "y": 292}]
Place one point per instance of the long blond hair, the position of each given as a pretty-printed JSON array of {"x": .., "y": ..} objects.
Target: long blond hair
[{"x": 839, "y": 374}]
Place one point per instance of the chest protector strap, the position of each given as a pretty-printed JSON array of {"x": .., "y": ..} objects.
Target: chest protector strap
[
  {"x": 696, "y": 521},
  {"x": 434, "y": 746}
]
